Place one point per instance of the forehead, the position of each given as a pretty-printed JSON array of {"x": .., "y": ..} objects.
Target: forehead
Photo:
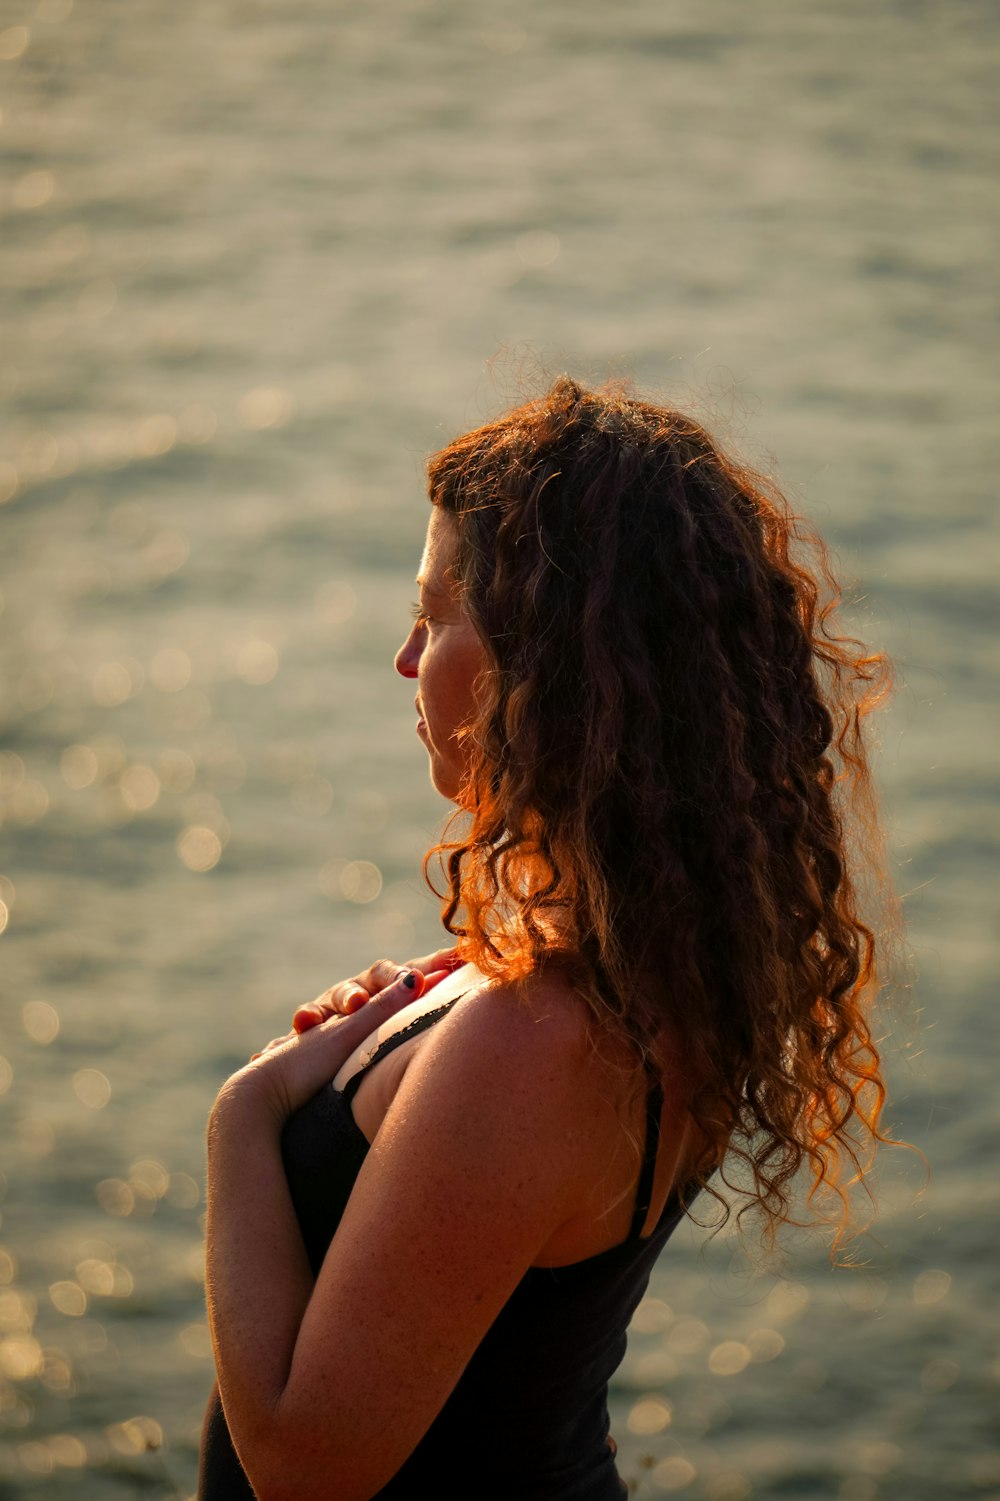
[{"x": 440, "y": 551}]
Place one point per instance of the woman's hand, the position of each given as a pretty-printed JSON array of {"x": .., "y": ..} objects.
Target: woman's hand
[
  {"x": 290, "y": 1070},
  {"x": 349, "y": 996}
]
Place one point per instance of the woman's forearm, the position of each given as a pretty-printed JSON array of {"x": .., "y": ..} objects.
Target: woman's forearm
[{"x": 258, "y": 1278}]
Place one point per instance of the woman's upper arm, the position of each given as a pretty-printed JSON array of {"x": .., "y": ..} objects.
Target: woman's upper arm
[{"x": 474, "y": 1168}]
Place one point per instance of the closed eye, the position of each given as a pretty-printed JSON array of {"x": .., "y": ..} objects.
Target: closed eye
[{"x": 420, "y": 615}]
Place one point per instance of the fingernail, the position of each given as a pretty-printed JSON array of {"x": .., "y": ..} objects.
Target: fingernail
[{"x": 410, "y": 981}]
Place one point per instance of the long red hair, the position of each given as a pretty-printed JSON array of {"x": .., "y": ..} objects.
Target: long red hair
[{"x": 668, "y": 788}]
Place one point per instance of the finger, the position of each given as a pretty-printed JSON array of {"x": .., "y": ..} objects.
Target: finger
[
  {"x": 314, "y": 1012},
  {"x": 350, "y": 995},
  {"x": 408, "y": 984},
  {"x": 381, "y": 974},
  {"x": 340, "y": 1000},
  {"x": 434, "y": 978},
  {"x": 446, "y": 959}
]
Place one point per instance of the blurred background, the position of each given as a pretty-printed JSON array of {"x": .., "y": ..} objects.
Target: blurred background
[{"x": 260, "y": 256}]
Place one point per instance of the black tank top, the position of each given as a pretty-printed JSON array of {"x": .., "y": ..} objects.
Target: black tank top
[{"x": 528, "y": 1419}]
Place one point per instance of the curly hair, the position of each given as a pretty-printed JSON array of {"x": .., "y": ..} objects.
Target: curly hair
[{"x": 668, "y": 790}]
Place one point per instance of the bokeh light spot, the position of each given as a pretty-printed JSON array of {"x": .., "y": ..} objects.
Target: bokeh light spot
[
  {"x": 183, "y": 1192},
  {"x": 155, "y": 435},
  {"x": 930, "y": 1287},
  {"x": 765, "y": 1344},
  {"x": 687, "y": 1336},
  {"x": 537, "y": 248},
  {"x": 135, "y": 1436},
  {"x": 140, "y": 788},
  {"x": 21, "y": 1357},
  {"x": 257, "y": 663},
  {"x": 110, "y": 753},
  {"x": 33, "y": 189},
  {"x": 196, "y": 1341},
  {"x": 67, "y": 1450},
  {"x": 11, "y": 771},
  {"x": 880, "y": 1457},
  {"x": 200, "y": 849},
  {"x": 167, "y": 552},
  {"x": 176, "y": 770},
  {"x": 148, "y": 1179},
  {"x": 115, "y": 1198},
  {"x": 78, "y": 767},
  {"x": 939, "y": 1374},
  {"x": 40, "y": 1021},
  {"x": 264, "y": 407},
  {"x": 651, "y": 1317},
  {"x": 729, "y": 1358},
  {"x": 17, "y": 1311},
  {"x": 39, "y": 453},
  {"x": 865, "y": 1292},
  {"x": 361, "y": 881},
  {"x": 111, "y": 684},
  {"x": 170, "y": 670},
  {"x": 14, "y": 43},
  {"x": 28, "y": 802},
  {"x": 673, "y": 1474},
  {"x": 104, "y": 1279},
  {"x": 69, "y": 1298},
  {"x": 57, "y": 1373},
  {"x": 206, "y": 811},
  {"x": 35, "y": 1457},
  {"x": 91, "y": 1088},
  {"x": 788, "y": 1300},
  {"x": 648, "y": 1416}
]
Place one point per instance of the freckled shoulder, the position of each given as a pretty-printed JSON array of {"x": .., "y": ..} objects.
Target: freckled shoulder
[{"x": 535, "y": 1033}]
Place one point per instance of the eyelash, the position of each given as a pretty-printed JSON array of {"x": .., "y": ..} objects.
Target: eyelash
[{"x": 420, "y": 616}]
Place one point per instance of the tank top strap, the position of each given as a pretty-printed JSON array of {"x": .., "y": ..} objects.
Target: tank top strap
[
  {"x": 644, "y": 1191},
  {"x": 419, "y": 1024}
]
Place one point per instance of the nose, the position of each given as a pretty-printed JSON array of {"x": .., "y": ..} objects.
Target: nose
[{"x": 408, "y": 656}]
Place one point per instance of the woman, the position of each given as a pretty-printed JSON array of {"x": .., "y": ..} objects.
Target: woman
[{"x": 420, "y": 1275}]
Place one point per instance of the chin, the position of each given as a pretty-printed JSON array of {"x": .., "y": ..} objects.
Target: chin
[
  {"x": 446, "y": 788},
  {"x": 447, "y": 781}
]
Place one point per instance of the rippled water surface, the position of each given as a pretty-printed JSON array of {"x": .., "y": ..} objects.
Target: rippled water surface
[{"x": 254, "y": 261}]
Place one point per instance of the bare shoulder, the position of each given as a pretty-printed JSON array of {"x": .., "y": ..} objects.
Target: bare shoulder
[
  {"x": 531, "y": 1050},
  {"x": 540, "y": 1021}
]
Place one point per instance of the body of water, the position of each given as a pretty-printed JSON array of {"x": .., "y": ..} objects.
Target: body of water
[{"x": 257, "y": 257}]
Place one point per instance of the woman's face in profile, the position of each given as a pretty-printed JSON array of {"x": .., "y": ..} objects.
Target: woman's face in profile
[{"x": 445, "y": 655}]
